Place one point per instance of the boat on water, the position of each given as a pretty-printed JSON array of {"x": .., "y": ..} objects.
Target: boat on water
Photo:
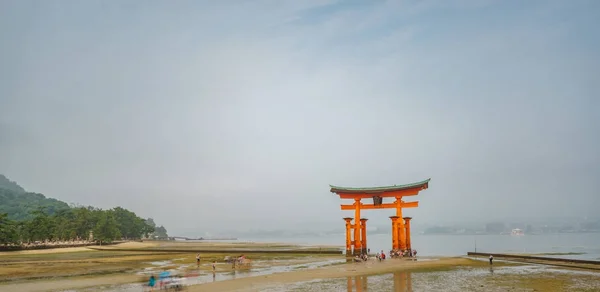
[{"x": 517, "y": 232}]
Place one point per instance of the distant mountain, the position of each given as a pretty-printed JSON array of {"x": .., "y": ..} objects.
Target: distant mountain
[
  {"x": 18, "y": 204},
  {"x": 8, "y": 184}
]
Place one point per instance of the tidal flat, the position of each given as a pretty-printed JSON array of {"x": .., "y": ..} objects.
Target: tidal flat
[
  {"x": 126, "y": 267},
  {"x": 133, "y": 262}
]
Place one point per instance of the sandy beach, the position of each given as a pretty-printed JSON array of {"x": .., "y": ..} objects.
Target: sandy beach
[{"x": 77, "y": 249}]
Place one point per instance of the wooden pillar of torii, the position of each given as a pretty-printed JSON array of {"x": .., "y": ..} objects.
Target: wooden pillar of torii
[{"x": 356, "y": 232}]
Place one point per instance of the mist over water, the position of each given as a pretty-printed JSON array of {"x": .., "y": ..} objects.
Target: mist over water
[{"x": 458, "y": 245}]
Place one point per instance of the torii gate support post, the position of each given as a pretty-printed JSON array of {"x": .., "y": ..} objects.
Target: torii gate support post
[
  {"x": 401, "y": 233},
  {"x": 348, "y": 236},
  {"x": 394, "y": 232},
  {"x": 407, "y": 227},
  {"x": 357, "y": 239},
  {"x": 363, "y": 234}
]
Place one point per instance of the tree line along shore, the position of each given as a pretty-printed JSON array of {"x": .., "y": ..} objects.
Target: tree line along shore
[{"x": 32, "y": 221}]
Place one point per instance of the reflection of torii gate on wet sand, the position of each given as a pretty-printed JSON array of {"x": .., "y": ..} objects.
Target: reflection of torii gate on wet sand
[
  {"x": 402, "y": 283},
  {"x": 356, "y": 242}
]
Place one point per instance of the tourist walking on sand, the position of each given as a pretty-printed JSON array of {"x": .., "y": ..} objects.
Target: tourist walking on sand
[
  {"x": 491, "y": 259},
  {"x": 198, "y": 260}
]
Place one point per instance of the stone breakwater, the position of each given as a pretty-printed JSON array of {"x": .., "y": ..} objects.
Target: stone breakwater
[{"x": 562, "y": 262}]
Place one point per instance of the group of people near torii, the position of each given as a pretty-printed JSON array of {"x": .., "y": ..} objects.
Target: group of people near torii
[
  {"x": 408, "y": 253},
  {"x": 403, "y": 253}
]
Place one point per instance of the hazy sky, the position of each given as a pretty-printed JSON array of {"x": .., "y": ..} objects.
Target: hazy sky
[{"x": 209, "y": 115}]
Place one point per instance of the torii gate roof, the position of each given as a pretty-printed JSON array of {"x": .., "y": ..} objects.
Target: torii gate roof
[{"x": 381, "y": 190}]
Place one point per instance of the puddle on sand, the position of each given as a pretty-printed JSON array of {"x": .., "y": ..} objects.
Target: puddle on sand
[
  {"x": 461, "y": 279},
  {"x": 213, "y": 277},
  {"x": 161, "y": 263}
]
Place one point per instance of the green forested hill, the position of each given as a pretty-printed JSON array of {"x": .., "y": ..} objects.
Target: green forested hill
[
  {"x": 19, "y": 204},
  {"x": 28, "y": 217},
  {"x": 6, "y": 183}
]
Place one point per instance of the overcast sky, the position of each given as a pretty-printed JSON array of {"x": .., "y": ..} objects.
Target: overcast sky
[{"x": 210, "y": 115}]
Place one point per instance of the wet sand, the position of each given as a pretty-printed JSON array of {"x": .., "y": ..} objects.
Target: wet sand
[
  {"x": 443, "y": 274},
  {"x": 425, "y": 274},
  {"x": 372, "y": 267},
  {"x": 254, "y": 283},
  {"x": 524, "y": 278}
]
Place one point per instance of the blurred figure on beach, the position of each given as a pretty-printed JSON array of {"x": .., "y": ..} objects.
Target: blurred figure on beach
[
  {"x": 491, "y": 259},
  {"x": 198, "y": 260},
  {"x": 151, "y": 283}
]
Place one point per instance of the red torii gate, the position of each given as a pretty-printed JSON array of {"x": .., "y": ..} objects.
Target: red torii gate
[{"x": 356, "y": 242}]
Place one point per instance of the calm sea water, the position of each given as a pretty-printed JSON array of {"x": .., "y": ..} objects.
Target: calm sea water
[{"x": 456, "y": 245}]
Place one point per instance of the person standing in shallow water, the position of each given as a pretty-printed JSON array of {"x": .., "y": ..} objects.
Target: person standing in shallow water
[
  {"x": 198, "y": 260},
  {"x": 491, "y": 259}
]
